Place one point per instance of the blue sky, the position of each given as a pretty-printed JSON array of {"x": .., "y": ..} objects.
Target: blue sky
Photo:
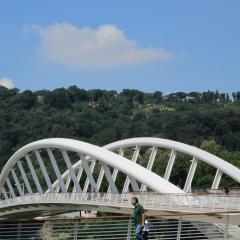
[{"x": 166, "y": 45}]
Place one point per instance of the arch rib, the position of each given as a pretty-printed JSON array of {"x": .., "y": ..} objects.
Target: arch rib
[
  {"x": 104, "y": 156},
  {"x": 201, "y": 155}
]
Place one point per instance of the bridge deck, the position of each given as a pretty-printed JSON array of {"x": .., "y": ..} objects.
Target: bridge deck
[{"x": 157, "y": 203}]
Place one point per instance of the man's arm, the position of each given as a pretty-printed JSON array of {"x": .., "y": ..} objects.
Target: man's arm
[{"x": 143, "y": 219}]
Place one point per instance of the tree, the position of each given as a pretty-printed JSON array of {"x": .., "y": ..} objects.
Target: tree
[
  {"x": 157, "y": 97},
  {"x": 25, "y": 100},
  {"x": 7, "y": 93},
  {"x": 193, "y": 118},
  {"x": 237, "y": 96},
  {"x": 234, "y": 96},
  {"x": 58, "y": 98},
  {"x": 76, "y": 94}
]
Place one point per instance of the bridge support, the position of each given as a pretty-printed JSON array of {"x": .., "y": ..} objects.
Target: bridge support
[
  {"x": 217, "y": 179},
  {"x": 170, "y": 164},
  {"x": 134, "y": 159},
  {"x": 191, "y": 173},
  {"x": 150, "y": 164}
]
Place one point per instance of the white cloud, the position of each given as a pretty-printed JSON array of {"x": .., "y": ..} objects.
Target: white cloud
[
  {"x": 6, "y": 82},
  {"x": 86, "y": 47}
]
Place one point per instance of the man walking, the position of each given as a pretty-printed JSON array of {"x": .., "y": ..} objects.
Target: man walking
[{"x": 139, "y": 217}]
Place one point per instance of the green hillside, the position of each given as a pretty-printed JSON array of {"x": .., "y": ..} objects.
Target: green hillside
[{"x": 210, "y": 120}]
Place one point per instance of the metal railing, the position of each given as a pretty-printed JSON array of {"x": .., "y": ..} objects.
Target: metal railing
[
  {"x": 116, "y": 229},
  {"x": 212, "y": 203}
]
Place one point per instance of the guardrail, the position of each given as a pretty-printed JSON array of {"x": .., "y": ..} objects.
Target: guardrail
[
  {"x": 115, "y": 229},
  {"x": 209, "y": 203}
]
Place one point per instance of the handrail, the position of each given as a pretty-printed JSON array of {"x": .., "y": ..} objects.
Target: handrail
[
  {"x": 164, "y": 229},
  {"x": 171, "y": 203}
]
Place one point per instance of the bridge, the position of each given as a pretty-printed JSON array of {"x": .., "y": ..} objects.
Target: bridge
[{"x": 57, "y": 175}]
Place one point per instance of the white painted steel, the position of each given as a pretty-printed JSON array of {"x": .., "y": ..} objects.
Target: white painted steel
[
  {"x": 44, "y": 171},
  {"x": 109, "y": 178},
  {"x": 68, "y": 181},
  {"x": 170, "y": 164},
  {"x": 150, "y": 165},
  {"x": 100, "y": 178},
  {"x": 115, "y": 172},
  {"x": 134, "y": 159},
  {"x": 32, "y": 170},
  {"x": 117, "y": 229},
  {"x": 92, "y": 166},
  {"x": 88, "y": 172},
  {"x": 217, "y": 179},
  {"x": 79, "y": 174},
  {"x": 151, "y": 202},
  {"x": 134, "y": 184},
  {"x": 139, "y": 173},
  {"x": 201, "y": 155},
  {"x": 106, "y": 158},
  {"x": 71, "y": 171},
  {"x": 191, "y": 173},
  {"x": 19, "y": 188},
  {"x": 56, "y": 170},
  {"x": 24, "y": 176},
  {"x": 10, "y": 188}
]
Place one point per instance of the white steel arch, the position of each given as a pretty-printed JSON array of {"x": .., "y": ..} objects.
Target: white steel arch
[
  {"x": 28, "y": 180},
  {"x": 221, "y": 166},
  {"x": 85, "y": 151},
  {"x": 200, "y": 154},
  {"x": 15, "y": 174}
]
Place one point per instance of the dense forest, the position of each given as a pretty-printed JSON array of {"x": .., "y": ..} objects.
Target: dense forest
[{"x": 209, "y": 120}]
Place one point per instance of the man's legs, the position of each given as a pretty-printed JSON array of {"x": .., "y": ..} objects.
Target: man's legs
[
  {"x": 139, "y": 232},
  {"x": 145, "y": 235}
]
